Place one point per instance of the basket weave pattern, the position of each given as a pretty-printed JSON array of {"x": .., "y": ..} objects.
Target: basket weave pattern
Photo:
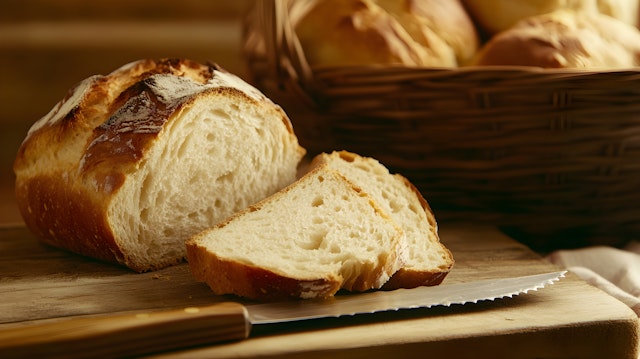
[{"x": 552, "y": 153}]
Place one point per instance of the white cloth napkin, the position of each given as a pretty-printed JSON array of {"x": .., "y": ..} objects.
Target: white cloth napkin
[{"x": 615, "y": 271}]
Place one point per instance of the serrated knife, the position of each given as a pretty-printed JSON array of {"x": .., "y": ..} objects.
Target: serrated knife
[{"x": 143, "y": 333}]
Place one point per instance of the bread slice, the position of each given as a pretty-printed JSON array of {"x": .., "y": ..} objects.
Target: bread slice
[
  {"x": 130, "y": 165},
  {"x": 428, "y": 260},
  {"x": 309, "y": 240}
]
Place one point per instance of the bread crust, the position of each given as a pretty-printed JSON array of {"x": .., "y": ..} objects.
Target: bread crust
[
  {"x": 409, "y": 278},
  {"x": 404, "y": 277},
  {"x": 494, "y": 16},
  {"x": 226, "y": 276},
  {"x": 564, "y": 39},
  {"x": 76, "y": 158},
  {"x": 434, "y": 33},
  {"x": 70, "y": 219}
]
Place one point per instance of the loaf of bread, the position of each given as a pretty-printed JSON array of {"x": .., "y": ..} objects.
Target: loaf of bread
[
  {"x": 431, "y": 33},
  {"x": 129, "y": 165},
  {"x": 428, "y": 260},
  {"x": 494, "y": 16},
  {"x": 565, "y": 39},
  {"x": 313, "y": 238}
]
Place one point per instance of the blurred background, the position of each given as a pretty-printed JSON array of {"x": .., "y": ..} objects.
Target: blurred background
[{"x": 46, "y": 46}]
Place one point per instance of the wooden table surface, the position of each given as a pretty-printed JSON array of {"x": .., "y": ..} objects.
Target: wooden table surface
[
  {"x": 568, "y": 319},
  {"x": 47, "y": 46}
]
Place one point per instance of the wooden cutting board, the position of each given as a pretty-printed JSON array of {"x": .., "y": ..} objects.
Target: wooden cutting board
[{"x": 569, "y": 319}]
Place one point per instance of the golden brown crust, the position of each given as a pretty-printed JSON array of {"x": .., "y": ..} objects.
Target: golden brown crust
[
  {"x": 494, "y": 16},
  {"x": 408, "y": 279},
  {"x": 65, "y": 204},
  {"x": 404, "y": 277},
  {"x": 66, "y": 218},
  {"x": 231, "y": 277},
  {"x": 564, "y": 39},
  {"x": 435, "y": 33},
  {"x": 75, "y": 158},
  {"x": 53, "y": 203},
  {"x": 449, "y": 20},
  {"x": 135, "y": 117}
]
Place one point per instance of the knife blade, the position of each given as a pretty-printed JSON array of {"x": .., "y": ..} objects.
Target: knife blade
[
  {"x": 144, "y": 333},
  {"x": 421, "y": 297}
]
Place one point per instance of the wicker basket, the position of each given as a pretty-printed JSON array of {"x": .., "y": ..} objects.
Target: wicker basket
[{"x": 553, "y": 156}]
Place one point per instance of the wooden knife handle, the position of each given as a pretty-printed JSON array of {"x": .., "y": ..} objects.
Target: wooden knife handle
[{"x": 127, "y": 335}]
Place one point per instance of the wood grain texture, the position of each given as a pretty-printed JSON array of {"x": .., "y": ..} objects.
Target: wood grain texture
[
  {"x": 40, "y": 284},
  {"x": 127, "y": 335}
]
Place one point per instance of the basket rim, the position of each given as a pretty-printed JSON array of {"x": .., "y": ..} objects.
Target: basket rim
[{"x": 475, "y": 68}]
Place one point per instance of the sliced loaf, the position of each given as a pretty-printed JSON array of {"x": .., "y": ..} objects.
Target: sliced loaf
[
  {"x": 309, "y": 240},
  {"x": 428, "y": 260},
  {"x": 130, "y": 165}
]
